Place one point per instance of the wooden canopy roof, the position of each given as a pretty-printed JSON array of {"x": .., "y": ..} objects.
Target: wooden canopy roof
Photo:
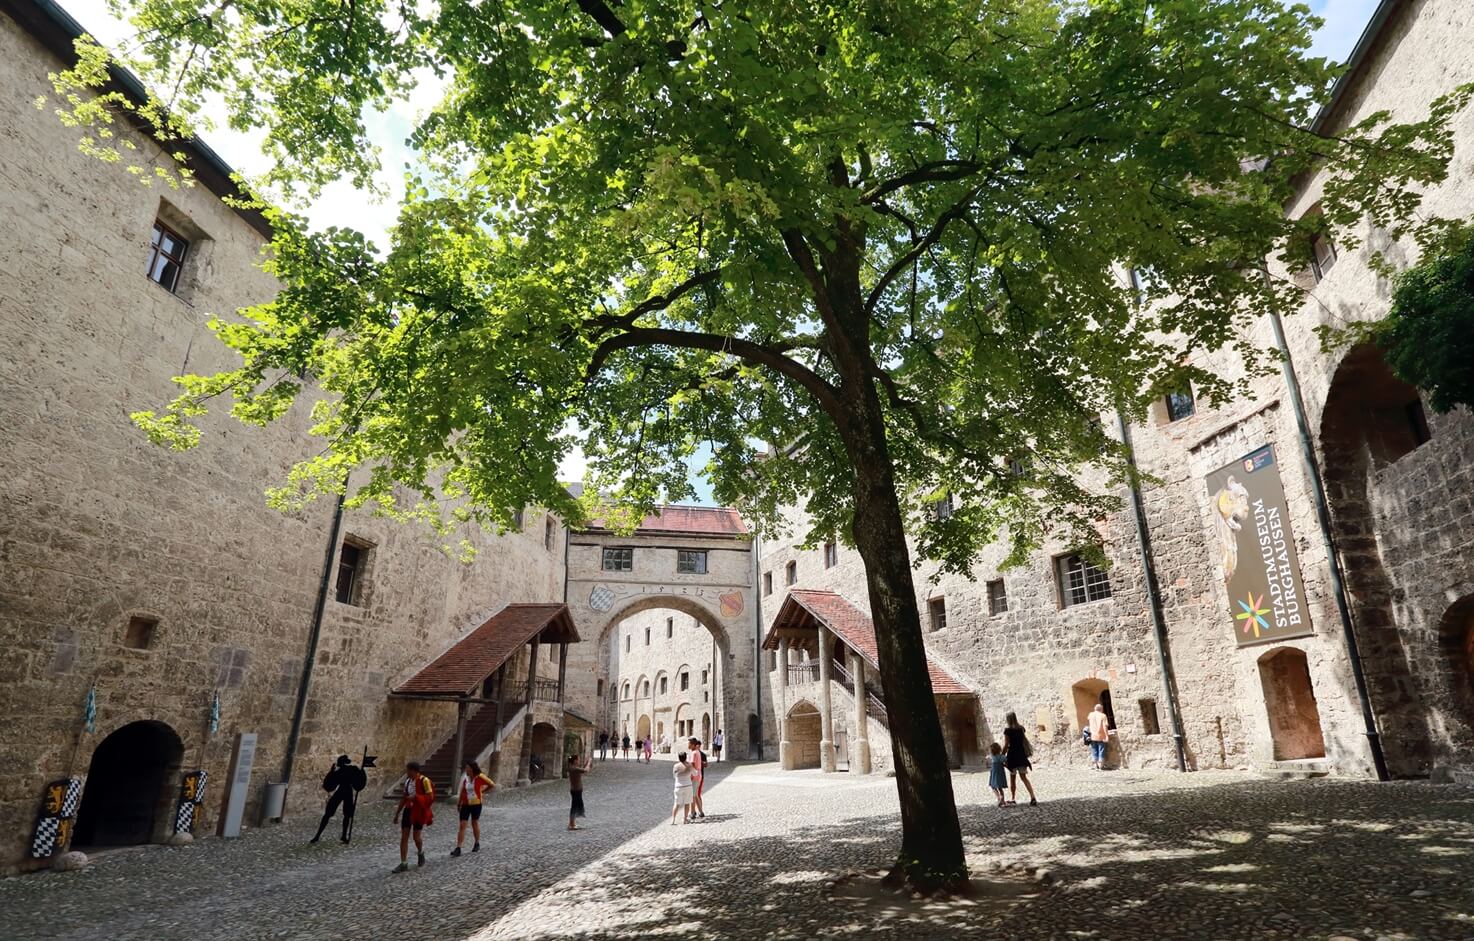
[{"x": 457, "y": 672}]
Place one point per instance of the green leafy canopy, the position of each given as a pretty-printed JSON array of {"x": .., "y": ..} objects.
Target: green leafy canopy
[{"x": 654, "y": 220}]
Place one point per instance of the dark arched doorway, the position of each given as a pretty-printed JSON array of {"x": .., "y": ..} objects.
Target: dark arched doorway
[
  {"x": 1294, "y": 717},
  {"x": 544, "y": 749},
  {"x": 1456, "y": 634},
  {"x": 131, "y": 785}
]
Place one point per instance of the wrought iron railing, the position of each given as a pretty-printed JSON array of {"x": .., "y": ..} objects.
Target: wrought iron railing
[
  {"x": 545, "y": 690},
  {"x": 805, "y": 672},
  {"x": 874, "y": 704}
]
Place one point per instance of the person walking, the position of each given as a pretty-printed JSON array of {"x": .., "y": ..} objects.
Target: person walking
[
  {"x": 649, "y": 746},
  {"x": 603, "y": 746},
  {"x": 473, "y": 786},
  {"x": 997, "y": 773},
  {"x": 716, "y": 746},
  {"x": 698, "y": 777},
  {"x": 1016, "y": 752},
  {"x": 417, "y": 797},
  {"x": 681, "y": 771},
  {"x": 343, "y": 781},
  {"x": 624, "y": 745},
  {"x": 1100, "y": 736},
  {"x": 576, "y": 771}
]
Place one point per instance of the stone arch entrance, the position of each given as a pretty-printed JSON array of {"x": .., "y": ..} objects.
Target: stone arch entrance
[
  {"x": 802, "y": 725},
  {"x": 131, "y": 785},
  {"x": 545, "y": 748},
  {"x": 1289, "y": 699},
  {"x": 1086, "y": 694},
  {"x": 696, "y": 561},
  {"x": 1456, "y": 635},
  {"x": 642, "y": 731},
  {"x": 1370, "y": 421}
]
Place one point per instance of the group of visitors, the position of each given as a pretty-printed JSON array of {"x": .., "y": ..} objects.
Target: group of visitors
[
  {"x": 644, "y": 747},
  {"x": 1012, "y": 759}
]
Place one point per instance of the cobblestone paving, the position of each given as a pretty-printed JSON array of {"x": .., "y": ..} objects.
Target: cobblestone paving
[{"x": 1129, "y": 855}]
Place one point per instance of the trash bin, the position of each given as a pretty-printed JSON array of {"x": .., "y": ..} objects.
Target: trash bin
[{"x": 275, "y": 803}]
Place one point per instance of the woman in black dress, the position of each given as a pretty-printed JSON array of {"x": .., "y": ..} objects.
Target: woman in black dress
[{"x": 1016, "y": 752}]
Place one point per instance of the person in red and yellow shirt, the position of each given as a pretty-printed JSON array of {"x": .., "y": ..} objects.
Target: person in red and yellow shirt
[
  {"x": 417, "y": 795},
  {"x": 473, "y": 785}
]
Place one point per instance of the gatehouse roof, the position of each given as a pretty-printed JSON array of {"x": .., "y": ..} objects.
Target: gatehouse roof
[
  {"x": 473, "y": 658},
  {"x": 689, "y": 520},
  {"x": 806, "y": 610}
]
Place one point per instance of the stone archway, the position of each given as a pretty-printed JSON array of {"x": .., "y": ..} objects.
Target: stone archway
[
  {"x": 642, "y": 730},
  {"x": 1289, "y": 699},
  {"x": 545, "y": 748},
  {"x": 1371, "y": 419},
  {"x": 613, "y": 576},
  {"x": 1456, "y": 635},
  {"x": 131, "y": 784},
  {"x": 802, "y": 734}
]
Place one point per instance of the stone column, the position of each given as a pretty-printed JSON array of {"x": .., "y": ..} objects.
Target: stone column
[
  {"x": 524, "y": 758},
  {"x": 861, "y": 762},
  {"x": 558, "y": 748},
  {"x": 460, "y": 753},
  {"x": 826, "y": 712},
  {"x": 785, "y": 747}
]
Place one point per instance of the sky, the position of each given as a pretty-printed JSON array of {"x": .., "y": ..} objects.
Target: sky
[{"x": 342, "y": 205}]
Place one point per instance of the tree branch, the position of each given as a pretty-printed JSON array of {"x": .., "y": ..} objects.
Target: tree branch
[
  {"x": 957, "y": 211},
  {"x": 599, "y": 11},
  {"x": 939, "y": 171},
  {"x": 757, "y": 354}
]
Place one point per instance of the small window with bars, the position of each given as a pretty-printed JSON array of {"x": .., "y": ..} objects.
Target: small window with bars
[
  {"x": 1081, "y": 581},
  {"x": 691, "y": 561},
  {"x": 997, "y": 597},
  {"x": 166, "y": 251},
  {"x": 943, "y": 508},
  {"x": 618, "y": 560},
  {"x": 937, "y": 608},
  {"x": 1180, "y": 404},
  {"x": 1322, "y": 255}
]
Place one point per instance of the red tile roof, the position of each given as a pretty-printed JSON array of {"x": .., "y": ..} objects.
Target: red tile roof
[
  {"x": 692, "y": 520},
  {"x": 473, "y": 658},
  {"x": 855, "y": 628}
]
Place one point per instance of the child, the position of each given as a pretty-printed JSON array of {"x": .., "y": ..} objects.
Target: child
[
  {"x": 682, "y": 773},
  {"x": 997, "y": 777},
  {"x": 576, "y": 770},
  {"x": 417, "y": 795},
  {"x": 649, "y": 745},
  {"x": 473, "y": 785}
]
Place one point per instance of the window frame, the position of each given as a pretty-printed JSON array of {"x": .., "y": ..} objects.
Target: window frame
[
  {"x": 356, "y": 572},
  {"x": 1318, "y": 269},
  {"x": 831, "y": 555},
  {"x": 767, "y": 583},
  {"x": 1094, "y": 581},
  {"x": 1175, "y": 413},
  {"x": 156, "y": 249},
  {"x": 685, "y": 680},
  {"x": 997, "y": 603},
  {"x": 790, "y": 574},
  {"x": 936, "y": 613},
  {"x": 624, "y": 557},
  {"x": 686, "y": 560}
]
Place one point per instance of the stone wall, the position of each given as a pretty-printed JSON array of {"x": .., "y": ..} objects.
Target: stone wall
[{"x": 98, "y": 528}]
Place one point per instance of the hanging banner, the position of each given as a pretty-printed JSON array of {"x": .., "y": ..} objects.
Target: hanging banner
[{"x": 1255, "y": 551}]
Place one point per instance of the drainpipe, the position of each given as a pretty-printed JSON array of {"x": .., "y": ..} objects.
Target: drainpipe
[
  {"x": 1154, "y": 597},
  {"x": 305, "y": 684},
  {"x": 757, "y": 640},
  {"x": 1323, "y": 518}
]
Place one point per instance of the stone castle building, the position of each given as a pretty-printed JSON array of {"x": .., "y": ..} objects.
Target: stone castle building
[
  {"x": 140, "y": 588},
  {"x": 1054, "y": 637}
]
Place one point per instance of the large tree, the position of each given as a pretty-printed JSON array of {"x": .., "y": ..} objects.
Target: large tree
[{"x": 894, "y": 237}]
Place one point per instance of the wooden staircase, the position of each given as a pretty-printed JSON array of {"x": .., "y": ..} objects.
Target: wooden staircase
[{"x": 482, "y": 734}]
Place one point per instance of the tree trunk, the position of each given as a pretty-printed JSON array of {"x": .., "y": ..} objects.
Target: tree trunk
[{"x": 931, "y": 857}]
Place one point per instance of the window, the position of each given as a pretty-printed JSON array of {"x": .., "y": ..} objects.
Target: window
[
  {"x": 790, "y": 573},
  {"x": 772, "y": 660},
  {"x": 1180, "y": 405},
  {"x": 598, "y": 690},
  {"x": 664, "y": 685},
  {"x": 997, "y": 597},
  {"x": 139, "y": 635},
  {"x": 351, "y": 564},
  {"x": 703, "y": 677},
  {"x": 942, "y": 509},
  {"x": 1019, "y": 466},
  {"x": 647, "y": 637},
  {"x": 166, "y": 250},
  {"x": 624, "y": 693},
  {"x": 937, "y": 607},
  {"x": 1081, "y": 581},
  {"x": 691, "y": 561},
  {"x": 706, "y": 697},
  {"x": 831, "y": 555},
  {"x": 685, "y": 681},
  {"x": 549, "y": 532},
  {"x": 1322, "y": 255},
  {"x": 619, "y": 560},
  {"x": 670, "y": 628},
  {"x": 767, "y": 583},
  {"x": 626, "y": 643},
  {"x": 645, "y": 690},
  {"x": 517, "y": 520},
  {"x": 1150, "y": 724}
]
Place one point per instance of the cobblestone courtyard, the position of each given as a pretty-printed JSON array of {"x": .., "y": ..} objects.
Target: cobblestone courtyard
[{"x": 1128, "y": 855}]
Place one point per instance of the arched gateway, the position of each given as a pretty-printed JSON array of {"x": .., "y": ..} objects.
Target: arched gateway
[{"x": 694, "y": 560}]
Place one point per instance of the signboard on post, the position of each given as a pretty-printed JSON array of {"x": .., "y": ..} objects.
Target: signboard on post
[
  {"x": 1255, "y": 551},
  {"x": 238, "y": 784}
]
